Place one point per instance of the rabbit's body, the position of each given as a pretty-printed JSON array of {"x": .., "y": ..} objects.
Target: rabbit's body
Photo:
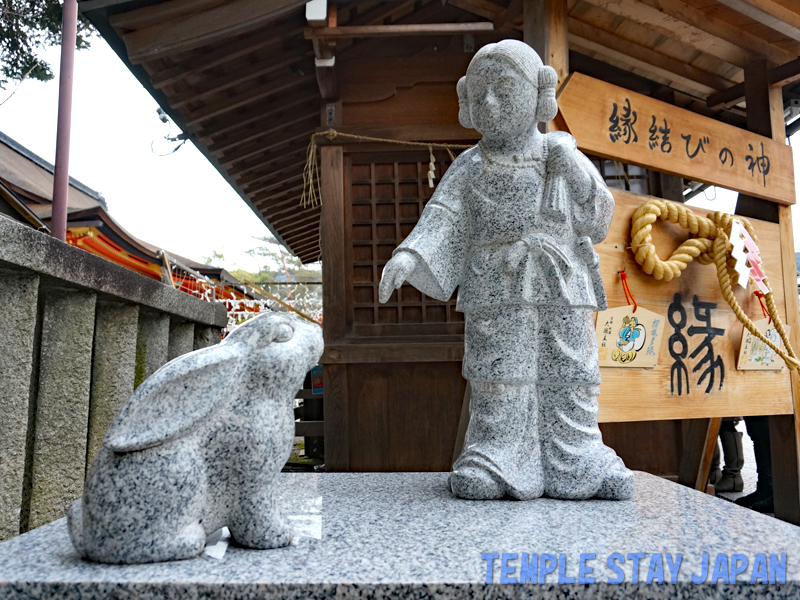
[{"x": 164, "y": 479}]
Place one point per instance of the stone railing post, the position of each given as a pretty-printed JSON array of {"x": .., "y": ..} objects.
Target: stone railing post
[
  {"x": 58, "y": 464},
  {"x": 181, "y": 337},
  {"x": 18, "y": 308},
  {"x": 113, "y": 367},
  {"x": 152, "y": 345},
  {"x": 205, "y": 336}
]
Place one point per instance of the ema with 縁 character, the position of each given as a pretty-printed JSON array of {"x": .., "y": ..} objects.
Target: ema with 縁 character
[{"x": 512, "y": 224}]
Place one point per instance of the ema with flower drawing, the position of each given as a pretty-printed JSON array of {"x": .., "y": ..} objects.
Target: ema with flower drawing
[{"x": 512, "y": 224}]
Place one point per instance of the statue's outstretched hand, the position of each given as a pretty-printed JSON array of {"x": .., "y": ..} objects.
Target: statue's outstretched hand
[{"x": 395, "y": 273}]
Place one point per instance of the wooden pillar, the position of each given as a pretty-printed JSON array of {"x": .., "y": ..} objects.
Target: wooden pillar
[
  {"x": 334, "y": 292},
  {"x": 784, "y": 430},
  {"x": 544, "y": 28},
  {"x": 765, "y": 117},
  {"x": 759, "y": 120}
]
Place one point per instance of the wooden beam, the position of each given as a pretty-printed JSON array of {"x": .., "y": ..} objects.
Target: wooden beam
[
  {"x": 223, "y": 53},
  {"x": 281, "y": 197},
  {"x": 698, "y": 450},
  {"x": 273, "y": 210},
  {"x": 301, "y": 234},
  {"x": 260, "y": 199},
  {"x": 769, "y": 13},
  {"x": 257, "y": 92},
  {"x": 256, "y": 133},
  {"x": 722, "y": 29},
  {"x": 273, "y": 186},
  {"x": 544, "y": 28},
  {"x": 504, "y": 21},
  {"x": 402, "y": 30},
  {"x": 208, "y": 27},
  {"x": 644, "y": 58},
  {"x": 244, "y": 118},
  {"x": 256, "y": 148},
  {"x": 260, "y": 165},
  {"x": 655, "y": 20},
  {"x": 290, "y": 165},
  {"x": 778, "y": 77},
  {"x": 90, "y": 5},
  {"x": 166, "y": 11},
  {"x": 482, "y": 8},
  {"x": 246, "y": 72},
  {"x": 299, "y": 220}
]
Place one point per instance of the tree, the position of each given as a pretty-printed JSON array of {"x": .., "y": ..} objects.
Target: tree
[
  {"x": 27, "y": 26},
  {"x": 285, "y": 277}
]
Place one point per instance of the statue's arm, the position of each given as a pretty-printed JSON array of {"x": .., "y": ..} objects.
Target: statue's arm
[{"x": 430, "y": 258}]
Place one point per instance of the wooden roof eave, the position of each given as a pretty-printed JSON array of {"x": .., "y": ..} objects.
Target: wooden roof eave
[{"x": 98, "y": 12}]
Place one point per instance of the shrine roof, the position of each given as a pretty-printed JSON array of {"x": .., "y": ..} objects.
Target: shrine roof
[{"x": 240, "y": 77}]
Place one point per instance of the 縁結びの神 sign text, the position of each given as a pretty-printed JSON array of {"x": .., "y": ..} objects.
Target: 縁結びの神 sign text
[{"x": 615, "y": 123}]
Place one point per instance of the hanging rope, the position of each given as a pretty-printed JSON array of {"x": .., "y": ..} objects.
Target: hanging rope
[
  {"x": 311, "y": 186},
  {"x": 764, "y": 310},
  {"x": 626, "y": 289},
  {"x": 709, "y": 245}
]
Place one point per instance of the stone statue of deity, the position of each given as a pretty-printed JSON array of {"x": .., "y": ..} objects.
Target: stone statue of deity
[{"x": 513, "y": 223}]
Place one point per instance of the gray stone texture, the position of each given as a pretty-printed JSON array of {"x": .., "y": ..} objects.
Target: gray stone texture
[
  {"x": 58, "y": 464},
  {"x": 403, "y": 535},
  {"x": 152, "y": 344},
  {"x": 181, "y": 338},
  {"x": 206, "y": 336},
  {"x": 512, "y": 224},
  {"x": 198, "y": 447},
  {"x": 18, "y": 307},
  {"x": 27, "y": 249},
  {"x": 113, "y": 368}
]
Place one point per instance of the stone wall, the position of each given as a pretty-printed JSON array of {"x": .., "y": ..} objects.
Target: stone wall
[{"x": 77, "y": 334}]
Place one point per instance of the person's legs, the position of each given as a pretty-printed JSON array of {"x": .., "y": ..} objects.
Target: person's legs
[
  {"x": 730, "y": 479},
  {"x": 761, "y": 499}
]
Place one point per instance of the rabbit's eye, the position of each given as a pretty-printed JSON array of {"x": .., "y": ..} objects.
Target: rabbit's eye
[{"x": 283, "y": 333}]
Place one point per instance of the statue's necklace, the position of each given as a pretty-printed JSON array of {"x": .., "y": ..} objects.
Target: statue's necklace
[{"x": 518, "y": 161}]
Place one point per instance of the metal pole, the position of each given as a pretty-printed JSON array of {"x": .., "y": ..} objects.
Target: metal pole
[{"x": 69, "y": 31}]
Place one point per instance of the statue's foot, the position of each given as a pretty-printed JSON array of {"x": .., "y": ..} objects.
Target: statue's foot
[
  {"x": 263, "y": 534},
  {"x": 618, "y": 484},
  {"x": 472, "y": 483}
]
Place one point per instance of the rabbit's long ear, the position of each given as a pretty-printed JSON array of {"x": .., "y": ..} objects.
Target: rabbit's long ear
[{"x": 176, "y": 398}]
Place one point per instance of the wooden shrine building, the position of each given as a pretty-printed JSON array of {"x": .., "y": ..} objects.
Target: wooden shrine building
[{"x": 697, "y": 90}]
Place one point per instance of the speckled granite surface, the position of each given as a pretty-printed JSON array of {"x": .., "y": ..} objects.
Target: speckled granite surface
[
  {"x": 398, "y": 535},
  {"x": 512, "y": 224}
]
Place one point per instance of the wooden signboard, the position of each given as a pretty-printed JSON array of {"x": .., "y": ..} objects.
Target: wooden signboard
[
  {"x": 619, "y": 124},
  {"x": 696, "y": 374}
]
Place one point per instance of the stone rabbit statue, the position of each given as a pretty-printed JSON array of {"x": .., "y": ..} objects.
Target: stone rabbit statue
[{"x": 198, "y": 447}]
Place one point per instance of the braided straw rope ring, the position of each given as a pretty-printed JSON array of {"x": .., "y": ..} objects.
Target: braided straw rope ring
[{"x": 709, "y": 244}]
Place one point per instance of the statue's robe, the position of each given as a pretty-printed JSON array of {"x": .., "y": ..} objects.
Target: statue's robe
[{"x": 517, "y": 242}]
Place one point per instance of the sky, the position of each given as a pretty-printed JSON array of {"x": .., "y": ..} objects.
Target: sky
[{"x": 178, "y": 202}]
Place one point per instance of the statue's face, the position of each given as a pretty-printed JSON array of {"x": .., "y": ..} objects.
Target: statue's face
[{"x": 502, "y": 102}]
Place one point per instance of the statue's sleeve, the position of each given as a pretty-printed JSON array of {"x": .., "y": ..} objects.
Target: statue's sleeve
[
  {"x": 593, "y": 211},
  {"x": 439, "y": 240}
]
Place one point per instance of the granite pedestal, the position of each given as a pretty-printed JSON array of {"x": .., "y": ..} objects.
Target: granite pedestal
[{"x": 400, "y": 535}]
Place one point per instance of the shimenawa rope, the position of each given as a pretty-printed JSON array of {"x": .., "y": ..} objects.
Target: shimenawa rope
[
  {"x": 311, "y": 184},
  {"x": 710, "y": 244}
]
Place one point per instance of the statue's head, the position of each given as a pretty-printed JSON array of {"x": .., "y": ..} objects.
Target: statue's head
[{"x": 507, "y": 89}]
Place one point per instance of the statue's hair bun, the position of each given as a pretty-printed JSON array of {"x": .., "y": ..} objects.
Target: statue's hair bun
[
  {"x": 546, "y": 107},
  {"x": 464, "y": 116}
]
